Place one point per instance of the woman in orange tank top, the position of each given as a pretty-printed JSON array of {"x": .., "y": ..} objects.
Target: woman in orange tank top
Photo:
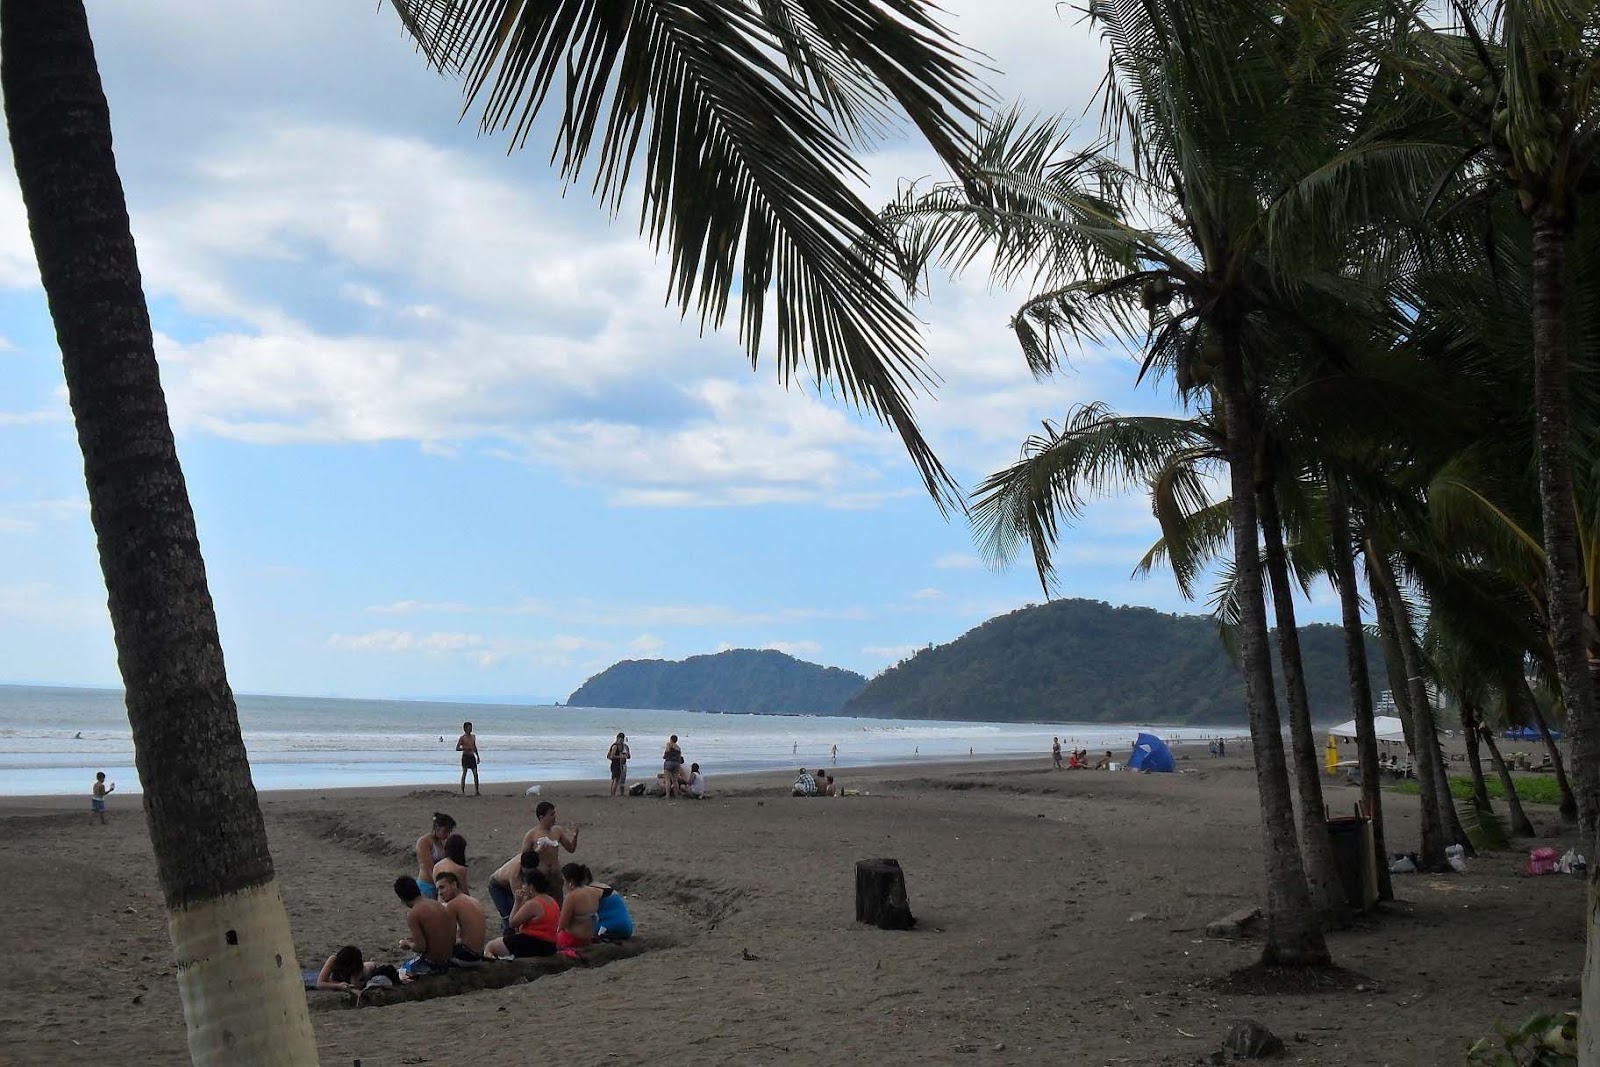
[{"x": 533, "y": 917}]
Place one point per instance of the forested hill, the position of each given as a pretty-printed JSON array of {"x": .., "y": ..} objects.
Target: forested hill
[
  {"x": 1086, "y": 661},
  {"x": 740, "y": 680}
]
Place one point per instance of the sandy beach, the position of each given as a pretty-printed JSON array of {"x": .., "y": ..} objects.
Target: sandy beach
[{"x": 1061, "y": 920}]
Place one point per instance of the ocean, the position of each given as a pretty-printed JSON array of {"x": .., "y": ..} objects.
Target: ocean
[{"x": 53, "y": 740}]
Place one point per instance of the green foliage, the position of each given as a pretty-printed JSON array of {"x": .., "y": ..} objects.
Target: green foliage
[
  {"x": 739, "y": 680},
  {"x": 1485, "y": 829},
  {"x": 1085, "y": 661},
  {"x": 1540, "y": 789},
  {"x": 1548, "y": 1039}
]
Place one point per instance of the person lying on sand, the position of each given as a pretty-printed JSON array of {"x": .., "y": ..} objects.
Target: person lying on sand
[
  {"x": 548, "y": 840},
  {"x": 471, "y": 929},
  {"x": 430, "y": 850},
  {"x": 454, "y": 861},
  {"x": 580, "y": 908},
  {"x": 533, "y": 920},
  {"x": 433, "y": 929},
  {"x": 804, "y": 784},
  {"x": 504, "y": 881}
]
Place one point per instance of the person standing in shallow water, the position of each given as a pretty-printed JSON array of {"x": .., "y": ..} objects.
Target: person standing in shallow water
[{"x": 467, "y": 745}]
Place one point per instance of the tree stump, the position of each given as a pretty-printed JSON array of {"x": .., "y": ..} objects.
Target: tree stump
[{"x": 881, "y": 895}]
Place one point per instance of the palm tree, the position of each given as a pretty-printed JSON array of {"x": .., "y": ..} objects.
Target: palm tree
[
  {"x": 237, "y": 974},
  {"x": 739, "y": 149},
  {"x": 1219, "y": 117}
]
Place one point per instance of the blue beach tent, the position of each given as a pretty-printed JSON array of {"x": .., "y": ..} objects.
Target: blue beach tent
[
  {"x": 1150, "y": 753},
  {"x": 1529, "y": 733}
]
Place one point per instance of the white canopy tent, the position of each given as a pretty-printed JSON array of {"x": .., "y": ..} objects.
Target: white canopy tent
[{"x": 1388, "y": 728}]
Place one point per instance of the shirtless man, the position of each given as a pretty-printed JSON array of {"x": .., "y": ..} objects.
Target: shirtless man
[
  {"x": 548, "y": 839},
  {"x": 471, "y": 930},
  {"x": 433, "y": 929},
  {"x": 430, "y": 850},
  {"x": 467, "y": 745},
  {"x": 504, "y": 881}
]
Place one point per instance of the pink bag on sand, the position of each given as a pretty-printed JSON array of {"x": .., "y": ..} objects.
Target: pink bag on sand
[{"x": 1541, "y": 861}]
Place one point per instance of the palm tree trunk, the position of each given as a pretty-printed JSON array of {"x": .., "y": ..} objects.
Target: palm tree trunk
[
  {"x": 1322, "y": 876},
  {"x": 1294, "y": 937},
  {"x": 1355, "y": 657},
  {"x": 1397, "y": 652},
  {"x": 1470, "y": 721},
  {"x": 1530, "y": 707},
  {"x": 1521, "y": 826},
  {"x": 237, "y": 974},
  {"x": 1426, "y": 725},
  {"x": 1552, "y": 404}
]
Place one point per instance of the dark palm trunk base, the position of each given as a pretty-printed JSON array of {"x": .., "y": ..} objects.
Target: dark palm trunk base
[{"x": 1294, "y": 937}]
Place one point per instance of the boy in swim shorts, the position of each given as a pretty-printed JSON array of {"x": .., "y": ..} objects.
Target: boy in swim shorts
[{"x": 97, "y": 801}]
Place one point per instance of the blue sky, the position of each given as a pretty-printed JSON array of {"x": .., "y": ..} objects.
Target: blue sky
[{"x": 442, "y": 434}]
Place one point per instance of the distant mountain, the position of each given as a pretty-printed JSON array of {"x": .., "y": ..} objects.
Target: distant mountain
[
  {"x": 1086, "y": 661},
  {"x": 740, "y": 680}
]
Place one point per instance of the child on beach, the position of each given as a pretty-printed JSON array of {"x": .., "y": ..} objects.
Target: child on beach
[{"x": 97, "y": 802}]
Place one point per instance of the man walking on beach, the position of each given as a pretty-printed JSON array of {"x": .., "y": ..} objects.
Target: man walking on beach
[
  {"x": 467, "y": 745},
  {"x": 1055, "y": 753},
  {"x": 618, "y": 756}
]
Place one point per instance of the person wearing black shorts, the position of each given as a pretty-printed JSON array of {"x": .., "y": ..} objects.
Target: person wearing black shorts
[
  {"x": 467, "y": 745},
  {"x": 618, "y": 755}
]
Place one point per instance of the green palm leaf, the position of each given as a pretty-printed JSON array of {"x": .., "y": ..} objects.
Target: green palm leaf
[{"x": 739, "y": 113}]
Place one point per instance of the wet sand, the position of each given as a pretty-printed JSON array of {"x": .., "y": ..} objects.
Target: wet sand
[{"x": 1061, "y": 920}]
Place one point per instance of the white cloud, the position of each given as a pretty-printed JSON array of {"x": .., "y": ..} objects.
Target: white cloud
[
  {"x": 20, "y": 516},
  {"x": 31, "y": 418},
  {"x": 798, "y": 649},
  {"x": 419, "y": 607},
  {"x": 41, "y": 604},
  {"x": 958, "y": 561},
  {"x": 928, "y": 593},
  {"x": 647, "y": 645},
  {"x": 889, "y": 654},
  {"x": 392, "y": 641}
]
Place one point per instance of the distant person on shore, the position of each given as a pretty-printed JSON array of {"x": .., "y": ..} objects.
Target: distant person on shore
[
  {"x": 471, "y": 929},
  {"x": 97, "y": 795},
  {"x": 1055, "y": 753},
  {"x": 430, "y": 850},
  {"x": 580, "y": 908},
  {"x": 533, "y": 920},
  {"x": 804, "y": 784},
  {"x": 618, "y": 756},
  {"x": 697, "y": 782},
  {"x": 1222, "y": 747},
  {"x": 548, "y": 839},
  {"x": 467, "y": 745},
  {"x": 671, "y": 761},
  {"x": 504, "y": 881},
  {"x": 455, "y": 862},
  {"x": 835, "y": 753},
  {"x": 432, "y": 930},
  {"x": 796, "y": 750}
]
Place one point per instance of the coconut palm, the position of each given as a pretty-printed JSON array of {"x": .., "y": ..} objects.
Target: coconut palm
[
  {"x": 241, "y": 987},
  {"x": 744, "y": 149}
]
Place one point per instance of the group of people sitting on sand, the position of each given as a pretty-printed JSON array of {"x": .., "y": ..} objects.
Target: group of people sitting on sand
[
  {"x": 1078, "y": 758},
  {"x": 820, "y": 784},
  {"x": 545, "y": 908}
]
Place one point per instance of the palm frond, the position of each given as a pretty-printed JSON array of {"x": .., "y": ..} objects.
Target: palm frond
[{"x": 737, "y": 115}]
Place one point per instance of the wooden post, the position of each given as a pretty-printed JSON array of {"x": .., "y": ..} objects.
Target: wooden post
[{"x": 881, "y": 895}]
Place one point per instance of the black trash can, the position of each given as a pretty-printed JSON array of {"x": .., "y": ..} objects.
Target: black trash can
[{"x": 1352, "y": 859}]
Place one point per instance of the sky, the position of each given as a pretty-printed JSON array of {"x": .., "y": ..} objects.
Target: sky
[{"x": 443, "y": 434}]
